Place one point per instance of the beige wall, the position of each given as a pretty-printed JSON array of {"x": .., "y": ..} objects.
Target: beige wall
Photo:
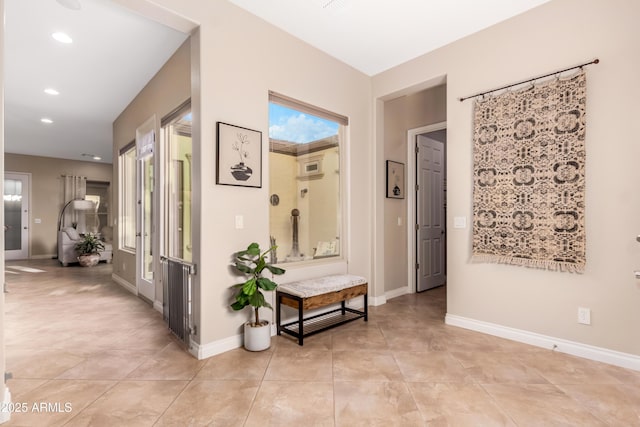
[
  {"x": 47, "y": 193},
  {"x": 166, "y": 91},
  {"x": 553, "y": 36},
  {"x": 401, "y": 114}
]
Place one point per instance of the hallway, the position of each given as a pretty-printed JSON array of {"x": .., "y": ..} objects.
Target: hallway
[{"x": 74, "y": 337}]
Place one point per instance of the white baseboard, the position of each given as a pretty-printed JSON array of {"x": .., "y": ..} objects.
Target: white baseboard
[
  {"x": 396, "y": 293},
  {"x": 158, "y": 306},
  {"x": 599, "y": 354},
  {"x": 128, "y": 286},
  {"x": 205, "y": 351},
  {"x": 5, "y": 414},
  {"x": 376, "y": 301}
]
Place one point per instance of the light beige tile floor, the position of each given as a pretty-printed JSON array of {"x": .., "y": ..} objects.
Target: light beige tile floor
[{"x": 102, "y": 357}]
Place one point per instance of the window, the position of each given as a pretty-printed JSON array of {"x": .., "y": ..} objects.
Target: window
[
  {"x": 176, "y": 130},
  {"x": 304, "y": 180},
  {"x": 98, "y": 219},
  {"x": 128, "y": 197}
]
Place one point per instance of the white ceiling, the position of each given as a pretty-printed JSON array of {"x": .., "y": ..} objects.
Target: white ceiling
[
  {"x": 115, "y": 53},
  {"x": 375, "y": 35}
]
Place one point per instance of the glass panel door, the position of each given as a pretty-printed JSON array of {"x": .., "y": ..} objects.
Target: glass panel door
[
  {"x": 147, "y": 218},
  {"x": 16, "y": 216},
  {"x": 145, "y": 231}
]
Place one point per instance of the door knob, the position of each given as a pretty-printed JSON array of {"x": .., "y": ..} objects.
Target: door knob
[{"x": 637, "y": 274}]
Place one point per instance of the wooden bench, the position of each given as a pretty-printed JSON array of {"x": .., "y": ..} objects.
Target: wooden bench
[{"x": 315, "y": 293}]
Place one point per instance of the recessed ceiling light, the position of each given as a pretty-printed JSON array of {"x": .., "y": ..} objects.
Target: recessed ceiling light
[
  {"x": 93, "y": 156},
  {"x": 62, "y": 37},
  {"x": 46, "y": 120},
  {"x": 51, "y": 91},
  {"x": 71, "y": 4},
  {"x": 331, "y": 4}
]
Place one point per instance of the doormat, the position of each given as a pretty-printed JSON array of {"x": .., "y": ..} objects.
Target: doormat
[{"x": 529, "y": 176}]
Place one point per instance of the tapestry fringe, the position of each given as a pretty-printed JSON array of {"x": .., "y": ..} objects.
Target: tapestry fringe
[{"x": 532, "y": 263}]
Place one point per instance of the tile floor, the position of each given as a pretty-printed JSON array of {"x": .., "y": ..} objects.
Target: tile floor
[{"x": 74, "y": 337}]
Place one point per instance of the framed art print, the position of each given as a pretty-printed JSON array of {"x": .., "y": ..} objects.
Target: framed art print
[
  {"x": 239, "y": 156},
  {"x": 395, "y": 180}
]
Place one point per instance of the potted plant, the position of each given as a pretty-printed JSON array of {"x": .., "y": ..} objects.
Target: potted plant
[
  {"x": 88, "y": 250},
  {"x": 252, "y": 263}
]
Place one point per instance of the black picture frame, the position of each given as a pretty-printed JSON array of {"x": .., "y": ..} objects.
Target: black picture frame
[
  {"x": 395, "y": 180},
  {"x": 238, "y": 156}
]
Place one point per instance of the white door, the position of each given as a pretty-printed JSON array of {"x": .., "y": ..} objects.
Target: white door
[
  {"x": 16, "y": 216},
  {"x": 145, "y": 146},
  {"x": 430, "y": 205}
]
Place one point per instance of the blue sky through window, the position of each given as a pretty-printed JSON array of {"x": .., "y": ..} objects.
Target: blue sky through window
[{"x": 294, "y": 126}]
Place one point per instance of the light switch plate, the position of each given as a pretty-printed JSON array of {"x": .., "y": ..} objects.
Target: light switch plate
[
  {"x": 459, "y": 222},
  {"x": 239, "y": 222}
]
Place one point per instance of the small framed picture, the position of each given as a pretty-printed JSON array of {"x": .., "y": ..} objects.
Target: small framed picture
[
  {"x": 395, "y": 180},
  {"x": 239, "y": 156}
]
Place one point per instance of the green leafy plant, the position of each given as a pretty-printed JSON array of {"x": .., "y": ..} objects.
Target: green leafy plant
[
  {"x": 251, "y": 262},
  {"x": 90, "y": 244}
]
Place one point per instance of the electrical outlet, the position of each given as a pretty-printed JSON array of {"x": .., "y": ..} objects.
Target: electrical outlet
[{"x": 584, "y": 316}]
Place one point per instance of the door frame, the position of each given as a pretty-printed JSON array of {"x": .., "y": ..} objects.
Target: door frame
[
  {"x": 26, "y": 223},
  {"x": 412, "y": 258}
]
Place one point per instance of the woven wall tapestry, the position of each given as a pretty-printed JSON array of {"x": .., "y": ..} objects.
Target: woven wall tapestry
[{"x": 529, "y": 176}]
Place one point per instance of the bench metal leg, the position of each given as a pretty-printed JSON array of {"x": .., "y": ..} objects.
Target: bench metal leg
[
  {"x": 366, "y": 309},
  {"x": 278, "y": 306},
  {"x": 300, "y": 323},
  {"x": 342, "y": 307}
]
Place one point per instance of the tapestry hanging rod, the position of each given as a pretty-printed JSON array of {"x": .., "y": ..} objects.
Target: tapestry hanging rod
[{"x": 595, "y": 61}]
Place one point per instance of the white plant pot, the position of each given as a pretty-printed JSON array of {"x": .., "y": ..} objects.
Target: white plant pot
[
  {"x": 257, "y": 338},
  {"x": 89, "y": 260}
]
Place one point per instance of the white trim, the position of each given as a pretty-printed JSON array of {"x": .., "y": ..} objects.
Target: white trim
[
  {"x": 376, "y": 301},
  {"x": 396, "y": 292},
  {"x": 204, "y": 351},
  {"x": 158, "y": 306},
  {"x": 599, "y": 354},
  {"x": 120, "y": 281},
  {"x": 411, "y": 199},
  {"x": 5, "y": 414}
]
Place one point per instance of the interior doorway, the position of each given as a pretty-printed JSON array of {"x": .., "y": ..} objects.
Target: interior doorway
[
  {"x": 427, "y": 236},
  {"x": 430, "y": 210}
]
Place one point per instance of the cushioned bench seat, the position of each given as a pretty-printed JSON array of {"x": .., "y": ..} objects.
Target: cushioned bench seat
[{"x": 314, "y": 293}]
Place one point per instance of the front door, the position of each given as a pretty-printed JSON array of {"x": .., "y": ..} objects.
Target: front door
[
  {"x": 16, "y": 215},
  {"x": 145, "y": 146},
  {"x": 430, "y": 204}
]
